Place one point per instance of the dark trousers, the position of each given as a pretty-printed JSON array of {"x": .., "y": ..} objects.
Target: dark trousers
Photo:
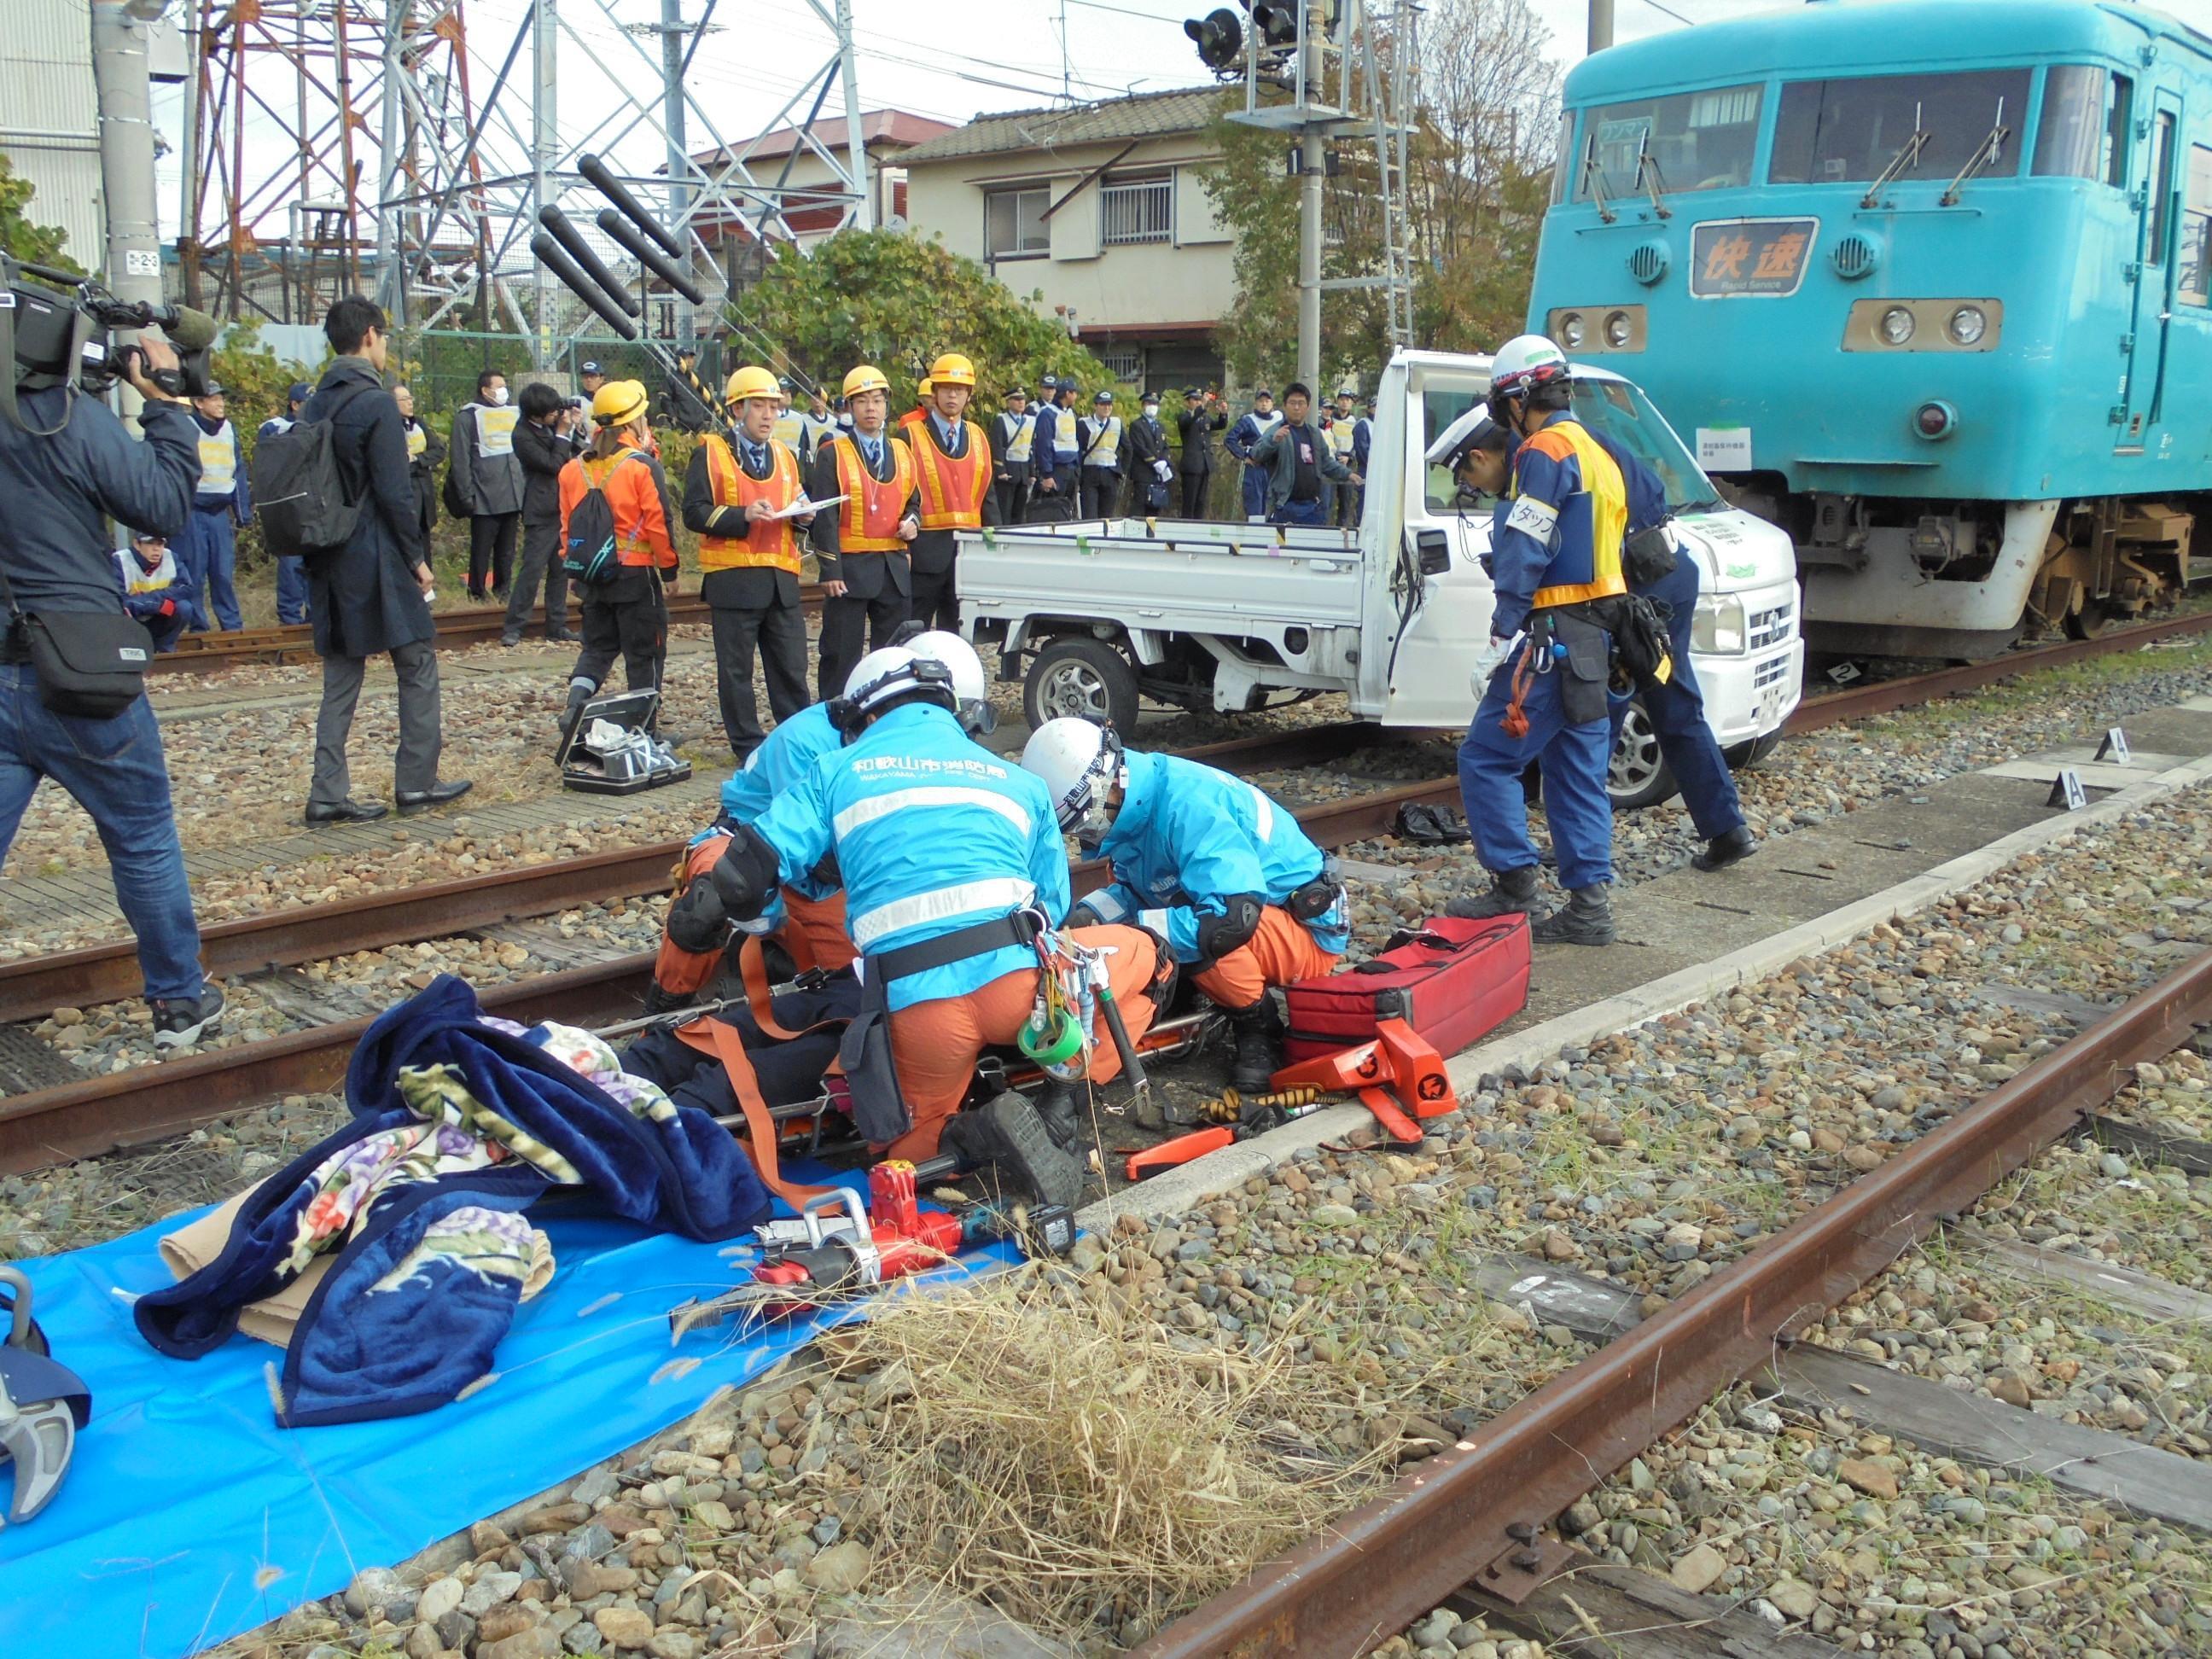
[
  {"x": 842, "y": 622},
  {"x": 1194, "y": 494},
  {"x": 1677, "y": 712},
  {"x": 1300, "y": 513},
  {"x": 1013, "y": 494},
  {"x": 421, "y": 729},
  {"x": 1101, "y": 492},
  {"x": 781, "y": 633},
  {"x": 937, "y": 599},
  {"x": 491, "y": 550},
  {"x": 541, "y": 557},
  {"x": 625, "y": 617}
]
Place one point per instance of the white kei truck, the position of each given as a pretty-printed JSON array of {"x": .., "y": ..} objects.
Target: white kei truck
[{"x": 1096, "y": 615}]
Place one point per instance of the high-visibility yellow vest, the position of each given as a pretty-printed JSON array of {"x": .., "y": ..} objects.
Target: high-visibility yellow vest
[
  {"x": 1105, "y": 445},
  {"x": 770, "y": 543},
  {"x": 1591, "y": 525},
  {"x": 219, "y": 462},
  {"x": 1020, "y": 435}
]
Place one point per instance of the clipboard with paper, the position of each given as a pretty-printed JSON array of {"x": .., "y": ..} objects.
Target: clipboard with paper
[{"x": 802, "y": 505}]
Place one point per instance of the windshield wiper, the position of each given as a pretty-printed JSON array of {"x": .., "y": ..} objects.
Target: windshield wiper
[
  {"x": 1985, "y": 154},
  {"x": 1907, "y": 157},
  {"x": 1594, "y": 184},
  {"x": 1646, "y": 167}
]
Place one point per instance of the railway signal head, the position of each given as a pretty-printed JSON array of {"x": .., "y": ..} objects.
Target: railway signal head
[
  {"x": 1275, "y": 24},
  {"x": 1219, "y": 36}
]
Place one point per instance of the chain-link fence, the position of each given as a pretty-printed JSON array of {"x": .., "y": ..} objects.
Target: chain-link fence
[{"x": 443, "y": 364}]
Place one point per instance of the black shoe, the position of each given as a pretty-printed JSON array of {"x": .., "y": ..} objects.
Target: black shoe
[
  {"x": 1259, "y": 1045},
  {"x": 658, "y": 1001},
  {"x": 1056, "y": 1110},
  {"x": 348, "y": 811},
  {"x": 412, "y": 801},
  {"x": 1005, "y": 1135},
  {"x": 1585, "y": 919},
  {"x": 1722, "y": 851},
  {"x": 1513, "y": 891},
  {"x": 508, "y": 642},
  {"x": 561, "y": 636},
  {"x": 178, "y": 1025}
]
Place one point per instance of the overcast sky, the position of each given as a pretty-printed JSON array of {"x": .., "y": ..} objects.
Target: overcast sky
[{"x": 947, "y": 58}]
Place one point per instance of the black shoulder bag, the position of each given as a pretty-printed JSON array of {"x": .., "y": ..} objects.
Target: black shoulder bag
[{"x": 90, "y": 664}]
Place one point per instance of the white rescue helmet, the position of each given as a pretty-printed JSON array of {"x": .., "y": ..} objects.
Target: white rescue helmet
[
  {"x": 940, "y": 645},
  {"x": 1077, "y": 761},
  {"x": 1525, "y": 363},
  {"x": 883, "y": 675}
]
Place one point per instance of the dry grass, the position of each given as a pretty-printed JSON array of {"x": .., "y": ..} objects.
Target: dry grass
[{"x": 1072, "y": 1464}]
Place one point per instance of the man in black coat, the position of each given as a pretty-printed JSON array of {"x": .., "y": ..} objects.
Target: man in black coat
[
  {"x": 372, "y": 596},
  {"x": 1202, "y": 416},
  {"x": 869, "y": 588},
  {"x": 1149, "y": 467},
  {"x": 544, "y": 442}
]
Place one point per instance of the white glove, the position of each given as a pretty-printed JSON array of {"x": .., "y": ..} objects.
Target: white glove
[
  {"x": 1488, "y": 660},
  {"x": 1163, "y": 471}
]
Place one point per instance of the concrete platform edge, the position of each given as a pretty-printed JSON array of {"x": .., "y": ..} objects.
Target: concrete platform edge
[{"x": 1179, "y": 1191}]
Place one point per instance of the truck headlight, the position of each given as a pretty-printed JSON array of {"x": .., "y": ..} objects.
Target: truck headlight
[{"x": 1719, "y": 629}]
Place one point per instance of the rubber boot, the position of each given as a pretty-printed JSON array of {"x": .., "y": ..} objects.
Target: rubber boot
[
  {"x": 579, "y": 695},
  {"x": 1585, "y": 919},
  {"x": 658, "y": 1001},
  {"x": 1722, "y": 851},
  {"x": 1056, "y": 1110},
  {"x": 1259, "y": 1045},
  {"x": 1512, "y": 892},
  {"x": 1006, "y": 1137}
]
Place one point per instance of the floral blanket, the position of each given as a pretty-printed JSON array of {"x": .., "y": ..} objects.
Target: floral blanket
[{"x": 461, "y": 1121}]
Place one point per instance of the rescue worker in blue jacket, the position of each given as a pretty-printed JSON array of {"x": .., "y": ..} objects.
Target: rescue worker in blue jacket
[
  {"x": 1206, "y": 862},
  {"x": 1255, "y": 424},
  {"x": 221, "y": 503},
  {"x": 1674, "y": 706},
  {"x": 1556, "y": 548},
  {"x": 954, "y": 869}
]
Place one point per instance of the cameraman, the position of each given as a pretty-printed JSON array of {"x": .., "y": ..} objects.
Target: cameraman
[{"x": 55, "y": 555}]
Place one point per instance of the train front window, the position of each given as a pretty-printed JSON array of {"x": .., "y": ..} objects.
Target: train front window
[
  {"x": 1625, "y": 415},
  {"x": 1695, "y": 141},
  {"x": 2084, "y": 130},
  {"x": 1848, "y": 131}
]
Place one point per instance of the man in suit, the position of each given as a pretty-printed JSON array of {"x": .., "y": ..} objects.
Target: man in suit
[
  {"x": 952, "y": 481},
  {"x": 862, "y": 543},
  {"x": 1150, "y": 470},
  {"x": 1202, "y": 416}
]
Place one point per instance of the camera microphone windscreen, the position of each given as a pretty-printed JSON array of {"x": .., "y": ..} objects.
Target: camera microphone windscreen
[{"x": 192, "y": 330}]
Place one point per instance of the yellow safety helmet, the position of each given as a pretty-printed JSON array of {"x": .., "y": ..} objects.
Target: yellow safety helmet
[
  {"x": 952, "y": 369},
  {"x": 619, "y": 403},
  {"x": 866, "y": 378},
  {"x": 924, "y": 388},
  {"x": 750, "y": 381}
]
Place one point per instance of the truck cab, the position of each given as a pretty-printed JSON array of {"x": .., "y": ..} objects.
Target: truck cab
[{"x": 1095, "y": 616}]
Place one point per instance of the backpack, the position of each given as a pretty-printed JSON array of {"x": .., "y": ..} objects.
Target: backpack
[
  {"x": 590, "y": 555},
  {"x": 299, "y": 488},
  {"x": 456, "y": 504}
]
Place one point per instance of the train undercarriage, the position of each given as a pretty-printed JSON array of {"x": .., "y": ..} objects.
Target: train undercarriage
[{"x": 1964, "y": 581}]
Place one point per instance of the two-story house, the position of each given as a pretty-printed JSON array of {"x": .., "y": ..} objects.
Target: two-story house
[{"x": 1099, "y": 207}]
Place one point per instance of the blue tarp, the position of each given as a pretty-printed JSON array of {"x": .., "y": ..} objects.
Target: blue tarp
[{"x": 189, "y": 1516}]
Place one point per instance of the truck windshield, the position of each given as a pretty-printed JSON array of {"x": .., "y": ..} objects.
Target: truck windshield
[
  {"x": 1846, "y": 132},
  {"x": 1625, "y": 415},
  {"x": 1696, "y": 140}
]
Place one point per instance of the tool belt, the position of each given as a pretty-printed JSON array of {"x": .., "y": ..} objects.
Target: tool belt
[
  {"x": 1586, "y": 668},
  {"x": 977, "y": 940}
]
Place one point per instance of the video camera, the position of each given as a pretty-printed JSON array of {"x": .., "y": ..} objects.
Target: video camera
[{"x": 56, "y": 334}]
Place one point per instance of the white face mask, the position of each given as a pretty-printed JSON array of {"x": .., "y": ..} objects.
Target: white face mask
[
  {"x": 1151, "y": 412},
  {"x": 499, "y": 395}
]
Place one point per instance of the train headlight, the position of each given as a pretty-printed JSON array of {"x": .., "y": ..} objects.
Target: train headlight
[
  {"x": 1571, "y": 332},
  {"x": 1897, "y": 324},
  {"x": 1618, "y": 331},
  {"x": 1718, "y": 629},
  {"x": 1967, "y": 324}
]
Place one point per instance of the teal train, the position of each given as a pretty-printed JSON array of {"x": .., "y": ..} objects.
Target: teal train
[{"x": 1930, "y": 284}]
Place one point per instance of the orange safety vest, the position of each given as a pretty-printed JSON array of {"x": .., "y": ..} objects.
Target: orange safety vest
[
  {"x": 868, "y": 520},
  {"x": 769, "y": 542},
  {"x": 952, "y": 487},
  {"x": 913, "y": 418}
]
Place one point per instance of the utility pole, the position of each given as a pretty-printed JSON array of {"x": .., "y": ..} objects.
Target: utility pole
[
  {"x": 1601, "y": 24},
  {"x": 544, "y": 155},
  {"x": 673, "y": 31},
  {"x": 126, "y": 147},
  {"x": 1313, "y": 165}
]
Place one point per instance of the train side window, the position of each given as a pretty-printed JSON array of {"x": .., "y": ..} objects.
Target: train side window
[
  {"x": 2070, "y": 140},
  {"x": 1566, "y": 148},
  {"x": 2161, "y": 189},
  {"x": 2119, "y": 113},
  {"x": 2193, "y": 284}
]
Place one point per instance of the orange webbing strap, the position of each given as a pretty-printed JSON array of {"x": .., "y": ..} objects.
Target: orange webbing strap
[
  {"x": 752, "y": 971},
  {"x": 1515, "y": 722},
  {"x": 709, "y": 1036}
]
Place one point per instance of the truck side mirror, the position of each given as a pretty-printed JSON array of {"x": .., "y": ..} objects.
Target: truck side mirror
[{"x": 1433, "y": 549}]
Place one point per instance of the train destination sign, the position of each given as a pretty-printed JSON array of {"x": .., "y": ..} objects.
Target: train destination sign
[{"x": 1733, "y": 258}]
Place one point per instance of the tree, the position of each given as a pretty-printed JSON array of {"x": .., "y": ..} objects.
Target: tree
[
  {"x": 890, "y": 299},
  {"x": 20, "y": 238}
]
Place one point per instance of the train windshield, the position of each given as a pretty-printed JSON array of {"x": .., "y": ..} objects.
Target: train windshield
[
  {"x": 1623, "y": 415},
  {"x": 1848, "y": 131},
  {"x": 1694, "y": 140}
]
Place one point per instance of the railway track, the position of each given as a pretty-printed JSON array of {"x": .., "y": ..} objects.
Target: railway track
[{"x": 1467, "y": 1529}]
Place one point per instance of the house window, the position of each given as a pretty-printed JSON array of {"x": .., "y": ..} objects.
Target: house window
[
  {"x": 1014, "y": 223},
  {"x": 1124, "y": 364},
  {"x": 1137, "y": 210}
]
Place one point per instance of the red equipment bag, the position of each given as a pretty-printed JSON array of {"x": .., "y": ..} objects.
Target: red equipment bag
[{"x": 1452, "y": 982}]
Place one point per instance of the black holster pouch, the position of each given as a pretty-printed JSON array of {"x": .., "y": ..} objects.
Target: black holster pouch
[
  {"x": 1649, "y": 556},
  {"x": 1585, "y": 669}
]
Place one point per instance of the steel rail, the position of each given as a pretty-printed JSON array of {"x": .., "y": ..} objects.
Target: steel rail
[
  {"x": 148, "y": 1103},
  {"x": 1910, "y": 690},
  {"x": 35, "y": 986},
  {"x": 1474, "y": 1513}
]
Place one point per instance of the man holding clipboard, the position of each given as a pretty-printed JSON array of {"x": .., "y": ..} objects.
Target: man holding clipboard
[{"x": 746, "y": 495}]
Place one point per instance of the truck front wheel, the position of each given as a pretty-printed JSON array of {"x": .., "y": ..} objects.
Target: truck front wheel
[
  {"x": 1087, "y": 678},
  {"x": 1638, "y": 775}
]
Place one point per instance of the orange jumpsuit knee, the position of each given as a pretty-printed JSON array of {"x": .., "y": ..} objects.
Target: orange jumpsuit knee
[
  {"x": 936, "y": 1044},
  {"x": 1280, "y": 952},
  {"x": 813, "y": 931}
]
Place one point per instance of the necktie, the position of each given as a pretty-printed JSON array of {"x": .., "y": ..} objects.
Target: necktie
[
  {"x": 756, "y": 457},
  {"x": 875, "y": 448}
]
